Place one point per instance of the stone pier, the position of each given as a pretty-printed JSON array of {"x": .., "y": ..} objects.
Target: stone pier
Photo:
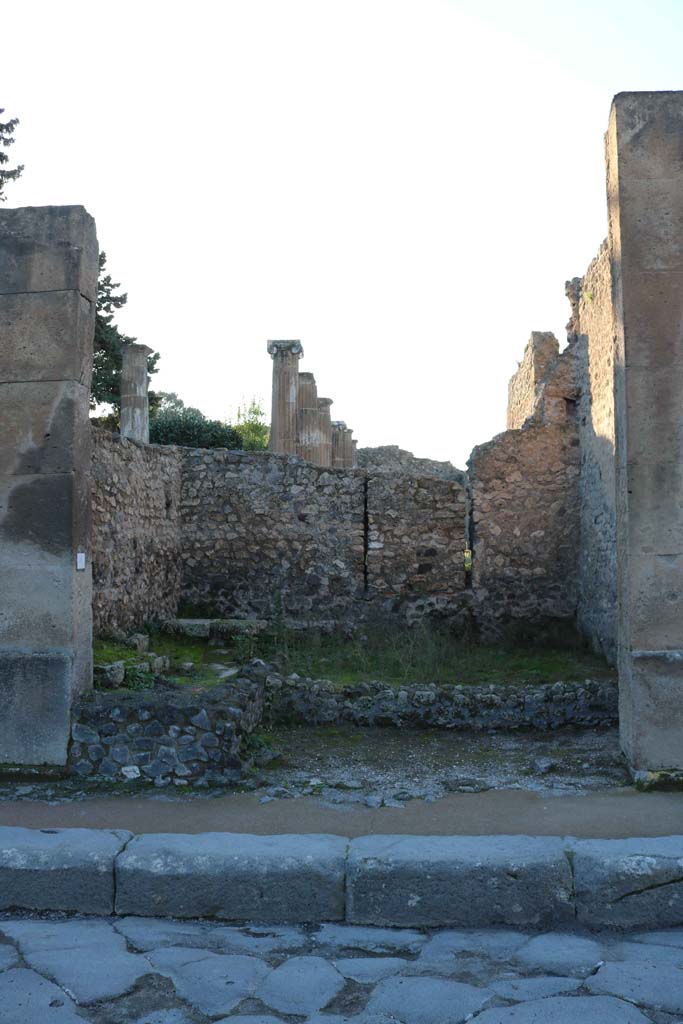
[
  {"x": 134, "y": 397},
  {"x": 310, "y": 438},
  {"x": 283, "y": 422},
  {"x": 325, "y": 431},
  {"x": 348, "y": 448},
  {"x": 645, "y": 198},
  {"x": 48, "y": 294}
]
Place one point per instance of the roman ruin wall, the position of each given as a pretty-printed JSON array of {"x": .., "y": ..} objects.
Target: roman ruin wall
[
  {"x": 525, "y": 511},
  {"x": 136, "y": 550},
  {"x": 270, "y": 535},
  {"x": 541, "y": 350},
  {"x": 415, "y": 543},
  {"x": 594, "y": 327}
]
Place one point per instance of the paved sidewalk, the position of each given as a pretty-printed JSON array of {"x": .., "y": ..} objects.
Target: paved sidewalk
[{"x": 58, "y": 970}]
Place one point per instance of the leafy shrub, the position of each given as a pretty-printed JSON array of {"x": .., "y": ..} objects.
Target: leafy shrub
[{"x": 191, "y": 429}]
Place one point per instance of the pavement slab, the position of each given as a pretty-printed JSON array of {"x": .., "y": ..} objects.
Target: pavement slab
[
  {"x": 561, "y": 953},
  {"x": 26, "y": 998},
  {"x": 369, "y": 970},
  {"x": 523, "y": 989},
  {"x": 370, "y": 939},
  {"x": 212, "y": 983},
  {"x": 426, "y": 1000},
  {"x": 565, "y": 1010},
  {"x": 654, "y": 985},
  {"x": 302, "y": 984}
]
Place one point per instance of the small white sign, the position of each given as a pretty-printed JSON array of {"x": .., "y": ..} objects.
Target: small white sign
[{"x": 80, "y": 561}]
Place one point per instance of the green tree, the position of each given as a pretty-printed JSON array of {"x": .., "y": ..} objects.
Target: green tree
[
  {"x": 109, "y": 343},
  {"x": 168, "y": 401},
  {"x": 7, "y": 140},
  {"x": 254, "y": 432}
]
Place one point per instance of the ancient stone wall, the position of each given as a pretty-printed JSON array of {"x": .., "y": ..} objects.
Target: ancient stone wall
[
  {"x": 392, "y": 459},
  {"x": 136, "y": 532},
  {"x": 270, "y": 535},
  {"x": 594, "y": 325},
  {"x": 415, "y": 542},
  {"x": 525, "y": 515},
  {"x": 541, "y": 351}
]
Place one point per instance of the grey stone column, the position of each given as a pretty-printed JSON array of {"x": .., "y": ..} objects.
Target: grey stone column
[
  {"x": 309, "y": 433},
  {"x": 348, "y": 448},
  {"x": 645, "y": 197},
  {"x": 354, "y": 454},
  {"x": 48, "y": 294},
  {"x": 338, "y": 443},
  {"x": 283, "y": 421},
  {"x": 134, "y": 398},
  {"x": 325, "y": 431}
]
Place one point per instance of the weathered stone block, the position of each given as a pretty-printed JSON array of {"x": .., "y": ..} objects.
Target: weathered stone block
[
  {"x": 629, "y": 883},
  {"x": 45, "y": 428},
  {"x": 46, "y": 336},
  {"x": 47, "y": 249},
  {"x": 35, "y": 696},
  {"x": 59, "y": 869},
  {"x": 233, "y": 877},
  {"x": 463, "y": 881}
]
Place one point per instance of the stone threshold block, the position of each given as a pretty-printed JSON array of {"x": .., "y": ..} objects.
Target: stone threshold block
[
  {"x": 68, "y": 869},
  {"x": 277, "y": 879},
  {"x": 628, "y": 883},
  {"x": 458, "y": 881}
]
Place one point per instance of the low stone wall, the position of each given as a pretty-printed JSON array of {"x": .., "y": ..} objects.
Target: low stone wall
[
  {"x": 293, "y": 700},
  {"x": 164, "y": 736},
  {"x": 136, "y": 541},
  {"x": 392, "y": 459}
]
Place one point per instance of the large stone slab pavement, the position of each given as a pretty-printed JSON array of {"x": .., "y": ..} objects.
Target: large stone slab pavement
[{"x": 56, "y": 969}]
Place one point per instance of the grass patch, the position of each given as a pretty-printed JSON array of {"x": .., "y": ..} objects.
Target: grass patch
[
  {"x": 422, "y": 655},
  {"x": 418, "y": 655}
]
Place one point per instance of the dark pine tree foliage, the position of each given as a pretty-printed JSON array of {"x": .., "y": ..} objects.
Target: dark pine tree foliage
[
  {"x": 109, "y": 343},
  {"x": 7, "y": 140}
]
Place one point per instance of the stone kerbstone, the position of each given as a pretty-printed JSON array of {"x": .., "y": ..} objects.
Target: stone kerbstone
[
  {"x": 629, "y": 883},
  {"x": 467, "y": 881},
  {"x": 282, "y": 878},
  {"x": 59, "y": 869},
  {"x": 47, "y": 249}
]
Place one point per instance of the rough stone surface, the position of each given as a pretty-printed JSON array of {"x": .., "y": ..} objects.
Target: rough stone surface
[
  {"x": 301, "y": 984},
  {"x": 523, "y": 390},
  {"x": 525, "y": 516},
  {"x": 595, "y": 330},
  {"x": 151, "y": 737},
  {"x": 27, "y": 998},
  {"x": 629, "y": 882},
  {"x": 566, "y": 1010},
  {"x": 136, "y": 532},
  {"x": 426, "y": 1000},
  {"x": 45, "y": 370},
  {"x": 460, "y": 881},
  {"x": 59, "y": 869},
  {"x": 235, "y": 877},
  {"x": 550, "y": 706}
]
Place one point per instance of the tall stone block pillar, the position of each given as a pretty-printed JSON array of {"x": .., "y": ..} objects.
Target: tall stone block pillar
[
  {"x": 283, "y": 421},
  {"x": 645, "y": 197},
  {"x": 134, "y": 393},
  {"x": 325, "y": 431},
  {"x": 309, "y": 431},
  {"x": 48, "y": 293}
]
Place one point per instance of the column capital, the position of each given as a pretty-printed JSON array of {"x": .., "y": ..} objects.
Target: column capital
[
  {"x": 339, "y": 424},
  {"x": 277, "y": 348},
  {"x": 324, "y": 403}
]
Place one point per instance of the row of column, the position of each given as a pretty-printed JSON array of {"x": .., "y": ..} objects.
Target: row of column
[{"x": 301, "y": 423}]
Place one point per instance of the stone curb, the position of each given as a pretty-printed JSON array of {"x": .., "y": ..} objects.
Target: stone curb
[{"x": 414, "y": 881}]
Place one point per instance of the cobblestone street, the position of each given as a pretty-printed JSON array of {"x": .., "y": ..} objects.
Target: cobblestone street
[{"x": 154, "y": 971}]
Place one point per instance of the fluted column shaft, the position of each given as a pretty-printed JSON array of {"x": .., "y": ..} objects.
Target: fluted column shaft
[{"x": 283, "y": 424}]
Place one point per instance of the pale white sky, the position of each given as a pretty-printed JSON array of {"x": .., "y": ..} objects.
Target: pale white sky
[{"x": 404, "y": 185}]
